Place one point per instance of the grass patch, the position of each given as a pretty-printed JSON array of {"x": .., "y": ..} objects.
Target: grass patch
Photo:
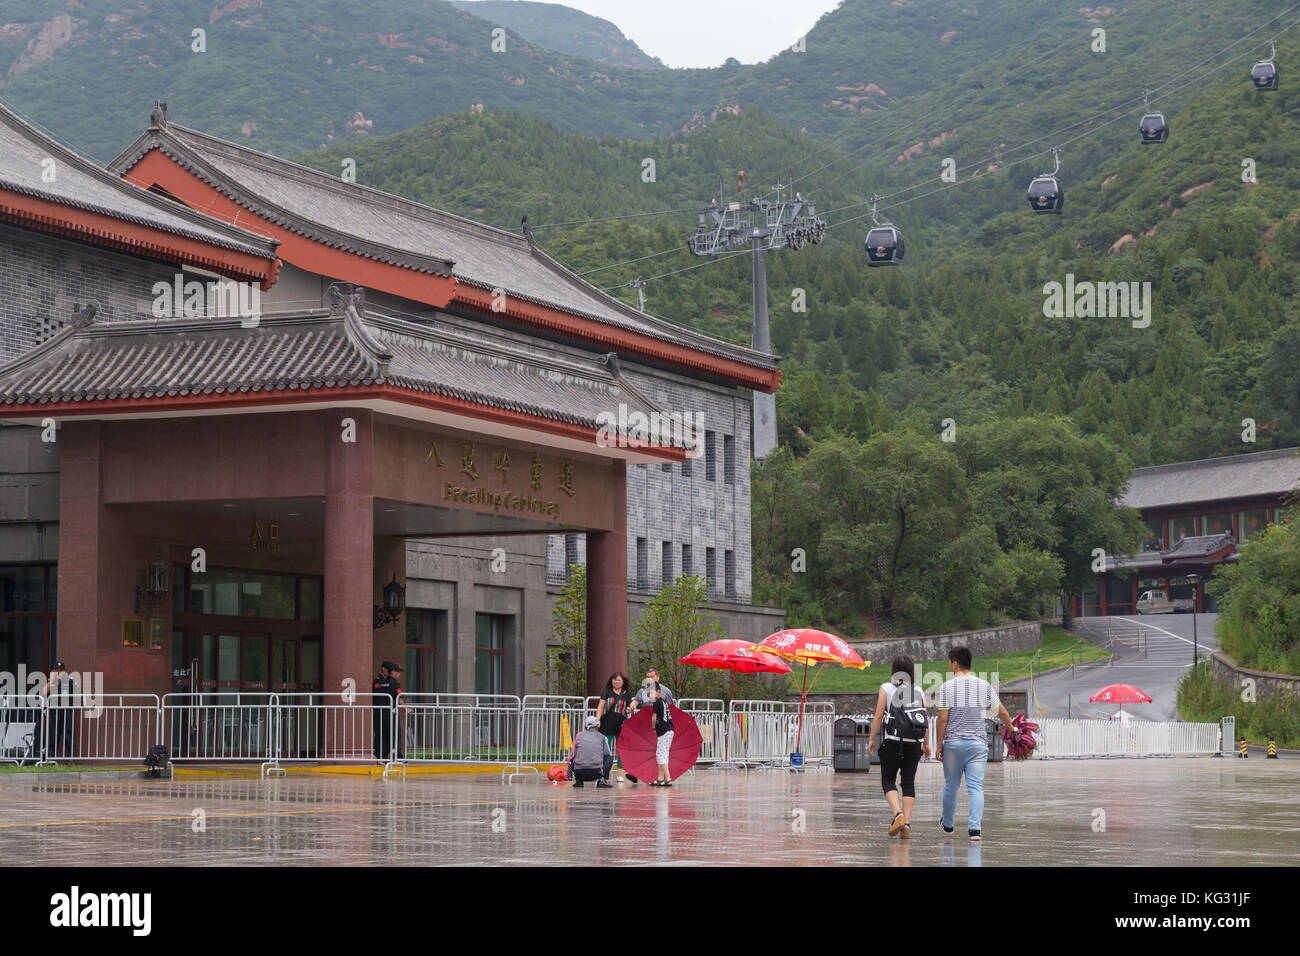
[
  {"x": 1200, "y": 699},
  {"x": 1055, "y": 651},
  {"x": 56, "y": 768}
]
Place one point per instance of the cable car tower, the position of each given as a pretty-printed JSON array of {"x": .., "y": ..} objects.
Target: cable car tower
[{"x": 764, "y": 224}]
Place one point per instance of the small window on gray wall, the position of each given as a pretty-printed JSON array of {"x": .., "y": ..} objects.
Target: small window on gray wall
[
  {"x": 729, "y": 573},
  {"x": 570, "y": 553},
  {"x": 686, "y": 467},
  {"x": 642, "y": 565},
  {"x": 710, "y": 456},
  {"x": 729, "y": 459},
  {"x": 688, "y": 566},
  {"x": 666, "y": 466},
  {"x": 666, "y": 570},
  {"x": 711, "y": 568}
]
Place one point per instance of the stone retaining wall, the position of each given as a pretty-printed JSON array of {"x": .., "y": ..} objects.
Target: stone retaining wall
[
  {"x": 1225, "y": 670},
  {"x": 1003, "y": 639}
]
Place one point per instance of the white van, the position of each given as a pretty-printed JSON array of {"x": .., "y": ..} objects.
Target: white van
[{"x": 1157, "y": 602}]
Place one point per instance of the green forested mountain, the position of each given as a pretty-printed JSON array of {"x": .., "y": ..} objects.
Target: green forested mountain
[
  {"x": 881, "y": 360},
  {"x": 563, "y": 29},
  {"x": 291, "y": 75}
]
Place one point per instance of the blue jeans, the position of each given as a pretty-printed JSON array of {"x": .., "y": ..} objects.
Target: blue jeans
[{"x": 969, "y": 757}]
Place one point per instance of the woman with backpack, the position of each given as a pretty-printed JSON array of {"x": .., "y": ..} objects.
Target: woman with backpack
[{"x": 901, "y": 720}]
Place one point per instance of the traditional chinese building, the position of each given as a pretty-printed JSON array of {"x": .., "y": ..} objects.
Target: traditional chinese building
[
  {"x": 217, "y": 498},
  {"x": 1197, "y": 514}
]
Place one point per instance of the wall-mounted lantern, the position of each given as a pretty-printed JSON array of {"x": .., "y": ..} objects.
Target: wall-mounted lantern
[{"x": 394, "y": 604}]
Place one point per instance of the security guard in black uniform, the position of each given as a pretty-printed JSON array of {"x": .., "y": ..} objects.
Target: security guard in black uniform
[{"x": 385, "y": 690}]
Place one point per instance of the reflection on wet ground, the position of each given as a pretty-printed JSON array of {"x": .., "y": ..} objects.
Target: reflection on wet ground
[{"x": 1189, "y": 812}]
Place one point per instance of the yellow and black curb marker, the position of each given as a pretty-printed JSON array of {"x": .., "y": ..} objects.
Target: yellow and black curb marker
[
  {"x": 1272, "y": 748},
  {"x": 1241, "y": 748}
]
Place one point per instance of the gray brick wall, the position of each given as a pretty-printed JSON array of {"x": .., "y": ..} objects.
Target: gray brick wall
[
  {"x": 44, "y": 277},
  {"x": 666, "y": 506}
]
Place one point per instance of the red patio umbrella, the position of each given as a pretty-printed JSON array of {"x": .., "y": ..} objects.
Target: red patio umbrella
[
  {"x": 737, "y": 657},
  {"x": 810, "y": 646},
  {"x": 1120, "y": 694},
  {"x": 637, "y": 740}
]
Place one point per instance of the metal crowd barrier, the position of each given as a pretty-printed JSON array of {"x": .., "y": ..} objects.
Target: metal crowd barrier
[
  {"x": 79, "y": 728},
  {"x": 460, "y": 728},
  {"x": 335, "y": 728},
  {"x": 711, "y": 717},
  {"x": 217, "y": 727},
  {"x": 765, "y": 732},
  {"x": 547, "y": 726}
]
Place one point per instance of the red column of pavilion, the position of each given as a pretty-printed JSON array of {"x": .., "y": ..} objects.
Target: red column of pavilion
[
  {"x": 607, "y": 590},
  {"x": 349, "y": 550}
]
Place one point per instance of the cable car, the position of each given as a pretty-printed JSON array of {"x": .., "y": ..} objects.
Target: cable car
[
  {"x": 1154, "y": 128},
  {"x": 1264, "y": 75},
  {"x": 884, "y": 245},
  {"x": 1046, "y": 195},
  {"x": 1045, "y": 192}
]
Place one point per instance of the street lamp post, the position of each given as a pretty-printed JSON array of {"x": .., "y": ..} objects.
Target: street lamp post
[{"x": 1196, "y": 654}]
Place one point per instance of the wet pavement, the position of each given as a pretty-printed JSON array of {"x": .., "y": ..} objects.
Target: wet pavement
[{"x": 1178, "y": 812}]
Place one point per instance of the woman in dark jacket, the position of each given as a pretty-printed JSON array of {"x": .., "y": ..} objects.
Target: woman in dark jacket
[{"x": 612, "y": 710}]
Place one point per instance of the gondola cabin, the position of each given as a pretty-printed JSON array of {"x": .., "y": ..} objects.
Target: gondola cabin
[
  {"x": 884, "y": 246},
  {"x": 1046, "y": 195},
  {"x": 1154, "y": 128},
  {"x": 1264, "y": 75}
]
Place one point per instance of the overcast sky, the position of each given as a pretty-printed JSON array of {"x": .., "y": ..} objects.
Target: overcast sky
[{"x": 706, "y": 32}]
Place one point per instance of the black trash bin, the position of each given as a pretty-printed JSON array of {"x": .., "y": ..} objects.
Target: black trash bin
[
  {"x": 842, "y": 754},
  {"x": 997, "y": 746},
  {"x": 861, "y": 751}
]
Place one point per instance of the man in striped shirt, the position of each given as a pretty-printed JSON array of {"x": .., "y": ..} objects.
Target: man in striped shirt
[{"x": 963, "y": 705}]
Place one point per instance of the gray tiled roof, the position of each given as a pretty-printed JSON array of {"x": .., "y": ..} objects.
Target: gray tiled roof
[
  {"x": 1186, "y": 549},
  {"x": 81, "y": 184},
  {"x": 1198, "y": 546},
  {"x": 1266, "y": 473},
  {"x": 287, "y": 353},
  {"x": 387, "y": 227}
]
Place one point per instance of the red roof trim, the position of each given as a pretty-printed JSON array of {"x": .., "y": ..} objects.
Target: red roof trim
[
  {"x": 103, "y": 230},
  {"x": 542, "y": 316},
  {"x": 157, "y": 168},
  {"x": 405, "y": 396}
]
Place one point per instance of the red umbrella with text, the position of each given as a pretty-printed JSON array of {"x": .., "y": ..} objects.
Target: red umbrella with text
[
  {"x": 737, "y": 657},
  {"x": 811, "y": 647},
  {"x": 1120, "y": 694},
  {"x": 637, "y": 742}
]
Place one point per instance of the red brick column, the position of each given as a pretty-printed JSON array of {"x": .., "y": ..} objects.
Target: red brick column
[
  {"x": 349, "y": 550},
  {"x": 607, "y": 591}
]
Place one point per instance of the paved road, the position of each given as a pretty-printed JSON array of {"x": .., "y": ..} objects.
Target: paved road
[
  {"x": 1152, "y": 653},
  {"x": 1180, "y": 812}
]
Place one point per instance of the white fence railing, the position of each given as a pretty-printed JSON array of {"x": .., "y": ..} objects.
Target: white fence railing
[{"x": 1134, "y": 738}]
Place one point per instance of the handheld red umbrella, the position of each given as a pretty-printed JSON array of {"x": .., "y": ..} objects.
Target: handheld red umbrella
[
  {"x": 737, "y": 657},
  {"x": 810, "y": 646},
  {"x": 637, "y": 741}
]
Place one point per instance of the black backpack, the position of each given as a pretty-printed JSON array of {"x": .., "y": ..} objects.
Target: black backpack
[{"x": 906, "y": 718}]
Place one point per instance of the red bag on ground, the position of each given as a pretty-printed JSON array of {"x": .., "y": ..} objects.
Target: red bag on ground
[{"x": 557, "y": 773}]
